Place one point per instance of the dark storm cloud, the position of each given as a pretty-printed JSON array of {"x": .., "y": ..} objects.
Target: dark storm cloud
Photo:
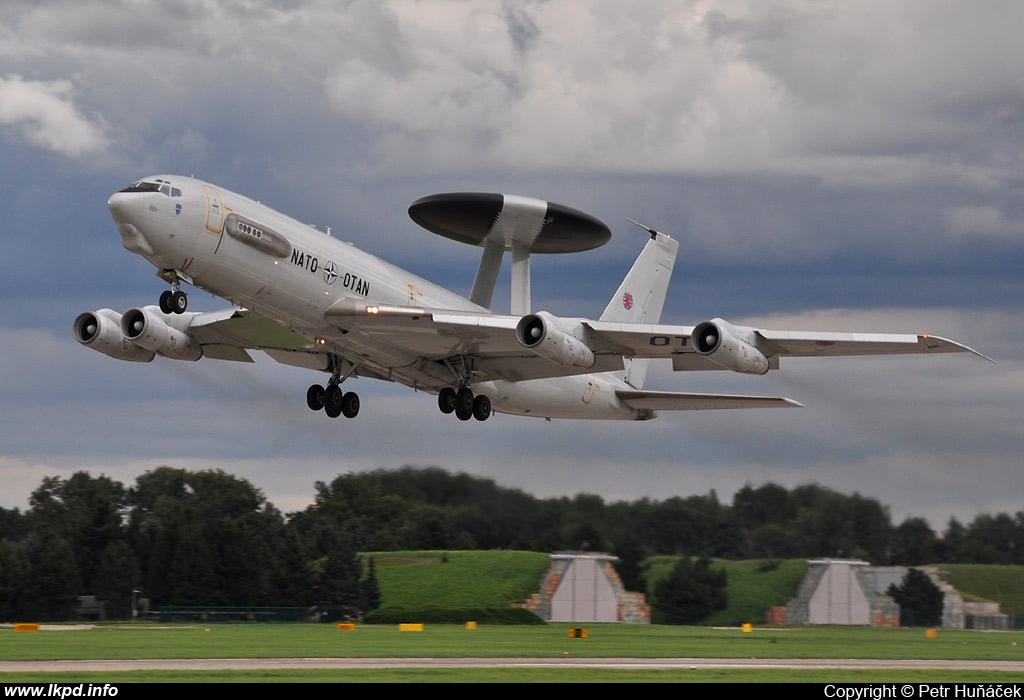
[{"x": 850, "y": 165}]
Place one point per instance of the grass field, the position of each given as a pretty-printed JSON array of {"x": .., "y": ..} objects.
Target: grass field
[
  {"x": 478, "y": 579},
  {"x": 551, "y": 641},
  {"x": 1000, "y": 584},
  {"x": 415, "y": 580}
]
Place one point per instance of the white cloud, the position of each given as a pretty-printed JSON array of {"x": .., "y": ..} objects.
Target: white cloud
[
  {"x": 868, "y": 94},
  {"x": 43, "y": 112},
  {"x": 21, "y": 478}
]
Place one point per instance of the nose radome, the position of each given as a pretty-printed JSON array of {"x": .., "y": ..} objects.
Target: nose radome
[{"x": 116, "y": 205}]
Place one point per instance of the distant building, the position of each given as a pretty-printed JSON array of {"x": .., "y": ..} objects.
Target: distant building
[
  {"x": 852, "y": 592},
  {"x": 839, "y": 592},
  {"x": 584, "y": 587}
]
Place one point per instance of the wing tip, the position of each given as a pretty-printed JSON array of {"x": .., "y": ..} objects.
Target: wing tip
[{"x": 953, "y": 346}]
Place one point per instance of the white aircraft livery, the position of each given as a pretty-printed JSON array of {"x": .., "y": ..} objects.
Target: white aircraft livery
[{"x": 310, "y": 300}]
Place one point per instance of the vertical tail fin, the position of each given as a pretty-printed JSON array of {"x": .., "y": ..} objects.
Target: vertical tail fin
[{"x": 641, "y": 296}]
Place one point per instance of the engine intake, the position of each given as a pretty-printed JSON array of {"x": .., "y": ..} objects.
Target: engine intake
[
  {"x": 101, "y": 331},
  {"x": 729, "y": 347},
  {"x": 548, "y": 336}
]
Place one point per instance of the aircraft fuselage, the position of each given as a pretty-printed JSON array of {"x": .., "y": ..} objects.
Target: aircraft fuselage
[{"x": 259, "y": 259}]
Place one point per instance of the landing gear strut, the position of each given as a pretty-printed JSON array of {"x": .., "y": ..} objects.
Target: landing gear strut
[{"x": 463, "y": 404}]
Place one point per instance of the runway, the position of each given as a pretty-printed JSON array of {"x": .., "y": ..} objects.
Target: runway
[{"x": 625, "y": 663}]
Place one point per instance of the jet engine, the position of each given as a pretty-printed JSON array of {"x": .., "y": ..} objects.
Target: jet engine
[
  {"x": 101, "y": 330},
  {"x": 548, "y": 336},
  {"x": 729, "y": 347},
  {"x": 164, "y": 334}
]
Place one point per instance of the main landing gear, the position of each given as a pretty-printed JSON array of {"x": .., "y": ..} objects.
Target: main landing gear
[
  {"x": 333, "y": 401},
  {"x": 331, "y": 398},
  {"x": 463, "y": 404}
]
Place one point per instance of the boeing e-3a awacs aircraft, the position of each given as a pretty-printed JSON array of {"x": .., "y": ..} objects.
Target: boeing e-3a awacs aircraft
[{"x": 307, "y": 299}]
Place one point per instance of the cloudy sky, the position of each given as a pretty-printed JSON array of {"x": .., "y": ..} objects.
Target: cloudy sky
[{"x": 825, "y": 165}]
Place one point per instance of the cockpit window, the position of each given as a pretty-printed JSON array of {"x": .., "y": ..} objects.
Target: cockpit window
[
  {"x": 142, "y": 186},
  {"x": 162, "y": 186}
]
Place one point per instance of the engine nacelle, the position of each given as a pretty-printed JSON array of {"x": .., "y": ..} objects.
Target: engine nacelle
[
  {"x": 152, "y": 329},
  {"x": 549, "y": 337},
  {"x": 725, "y": 345},
  {"x": 101, "y": 331}
]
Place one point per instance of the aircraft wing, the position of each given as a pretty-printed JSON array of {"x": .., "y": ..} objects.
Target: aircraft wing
[
  {"x": 440, "y": 335},
  {"x": 673, "y": 401},
  {"x": 225, "y": 335},
  {"x": 669, "y": 341},
  {"x": 492, "y": 339},
  {"x": 436, "y": 335}
]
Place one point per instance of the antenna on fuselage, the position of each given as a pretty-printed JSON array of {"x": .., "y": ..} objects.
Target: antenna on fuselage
[{"x": 501, "y": 222}]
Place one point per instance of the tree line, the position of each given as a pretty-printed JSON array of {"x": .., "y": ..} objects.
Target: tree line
[{"x": 206, "y": 537}]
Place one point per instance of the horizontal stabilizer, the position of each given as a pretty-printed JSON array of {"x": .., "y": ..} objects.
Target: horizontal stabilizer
[{"x": 673, "y": 401}]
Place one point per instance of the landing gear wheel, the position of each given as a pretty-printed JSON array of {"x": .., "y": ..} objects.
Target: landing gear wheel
[
  {"x": 179, "y": 302},
  {"x": 350, "y": 404},
  {"x": 315, "y": 397},
  {"x": 165, "y": 301},
  {"x": 481, "y": 407},
  {"x": 464, "y": 404},
  {"x": 446, "y": 400},
  {"x": 332, "y": 401}
]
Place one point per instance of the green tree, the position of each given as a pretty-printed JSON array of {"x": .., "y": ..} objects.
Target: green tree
[
  {"x": 427, "y": 527},
  {"x": 289, "y": 579},
  {"x": 13, "y": 580},
  {"x": 914, "y": 542},
  {"x": 369, "y": 590},
  {"x": 84, "y": 511},
  {"x": 630, "y": 565},
  {"x": 335, "y": 578},
  {"x": 691, "y": 591},
  {"x": 53, "y": 585},
  {"x": 920, "y": 600},
  {"x": 208, "y": 537},
  {"x": 116, "y": 577}
]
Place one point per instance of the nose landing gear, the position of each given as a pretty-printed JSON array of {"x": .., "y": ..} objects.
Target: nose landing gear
[{"x": 173, "y": 300}]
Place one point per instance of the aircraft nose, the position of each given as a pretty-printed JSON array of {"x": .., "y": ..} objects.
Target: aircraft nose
[
  {"x": 122, "y": 206},
  {"x": 117, "y": 205}
]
